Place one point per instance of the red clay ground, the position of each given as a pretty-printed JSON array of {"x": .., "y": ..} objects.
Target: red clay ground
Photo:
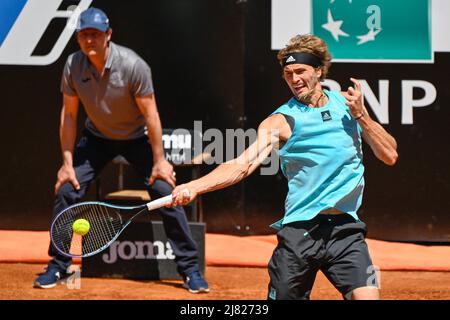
[{"x": 225, "y": 283}]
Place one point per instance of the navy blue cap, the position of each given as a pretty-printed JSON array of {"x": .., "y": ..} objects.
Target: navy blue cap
[{"x": 93, "y": 18}]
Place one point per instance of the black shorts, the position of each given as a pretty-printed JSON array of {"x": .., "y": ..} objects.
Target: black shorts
[{"x": 333, "y": 244}]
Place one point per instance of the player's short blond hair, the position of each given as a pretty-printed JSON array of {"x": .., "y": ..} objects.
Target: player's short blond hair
[{"x": 310, "y": 44}]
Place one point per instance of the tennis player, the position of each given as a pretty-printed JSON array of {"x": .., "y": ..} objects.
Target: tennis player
[
  {"x": 319, "y": 135},
  {"x": 115, "y": 87}
]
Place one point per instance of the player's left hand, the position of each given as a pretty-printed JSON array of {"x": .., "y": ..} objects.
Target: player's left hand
[
  {"x": 354, "y": 99},
  {"x": 163, "y": 170}
]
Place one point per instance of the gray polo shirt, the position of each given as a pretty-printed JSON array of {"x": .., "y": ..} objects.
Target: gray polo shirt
[{"x": 109, "y": 101}]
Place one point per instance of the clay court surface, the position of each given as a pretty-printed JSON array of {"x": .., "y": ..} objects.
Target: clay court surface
[
  {"x": 226, "y": 283},
  {"x": 236, "y": 269}
]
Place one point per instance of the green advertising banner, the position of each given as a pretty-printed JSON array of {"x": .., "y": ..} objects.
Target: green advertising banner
[{"x": 374, "y": 30}]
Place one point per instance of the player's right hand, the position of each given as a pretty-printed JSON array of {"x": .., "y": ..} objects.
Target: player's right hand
[
  {"x": 66, "y": 174},
  {"x": 182, "y": 195}
]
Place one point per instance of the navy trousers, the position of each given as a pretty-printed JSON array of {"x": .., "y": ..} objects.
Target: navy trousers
[{"x": 90, "y": 157}]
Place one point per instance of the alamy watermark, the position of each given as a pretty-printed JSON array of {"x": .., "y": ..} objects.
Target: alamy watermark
[
  {"x": 374, "y": 279},
  {"x": 74, "y": 281},
  {"x": 233, "y": 147}
]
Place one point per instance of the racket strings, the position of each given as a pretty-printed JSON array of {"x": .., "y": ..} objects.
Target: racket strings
[
  {"x": 64, "y": 235},
  {"x": 105, "y": 223},
  {"x": 106, "y": 226}
]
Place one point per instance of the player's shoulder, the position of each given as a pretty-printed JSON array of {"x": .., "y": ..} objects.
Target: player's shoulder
[
  {"x": 288, "y": 107},
  {"x": 335, "y": 96},
  {"x": 278, "y": 122},
  {"x": 278, "y": 117},
  {"x": 338, "y": 100},
  {"x": 75, "y": 58},
  {"x": 127, "y": 56}
]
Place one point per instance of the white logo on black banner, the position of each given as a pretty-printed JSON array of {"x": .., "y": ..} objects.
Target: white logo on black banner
[
  {"x": 24, "y": 23},
  {"x": 138, "y": 250},
  {"x": 326, "y": 115}
]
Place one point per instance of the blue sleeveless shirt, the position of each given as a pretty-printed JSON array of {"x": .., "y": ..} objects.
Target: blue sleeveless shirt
[{"x": 322, "y": 160}]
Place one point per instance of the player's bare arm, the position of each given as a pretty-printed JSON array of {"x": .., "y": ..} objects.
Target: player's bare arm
[
  {"x": 162, "y": 169},
  {"x": 271, "y": 132},
  {"x": 382, "y": 143},
  {"x": 67, "y": 135}
]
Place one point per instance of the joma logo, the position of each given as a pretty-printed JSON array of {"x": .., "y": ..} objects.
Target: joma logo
[{"x": 139, "y": 250}]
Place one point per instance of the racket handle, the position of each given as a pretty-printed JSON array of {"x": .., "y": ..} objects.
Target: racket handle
[
  {"x": 161, "y": 202},
  {"x": 158, "y": 203}
]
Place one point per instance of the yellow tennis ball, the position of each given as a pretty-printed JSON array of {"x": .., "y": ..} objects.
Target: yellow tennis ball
[{"x": 81, "y": 227}]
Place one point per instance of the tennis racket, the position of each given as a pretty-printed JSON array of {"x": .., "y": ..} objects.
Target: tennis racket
[{"x": 106, "y": 222}]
